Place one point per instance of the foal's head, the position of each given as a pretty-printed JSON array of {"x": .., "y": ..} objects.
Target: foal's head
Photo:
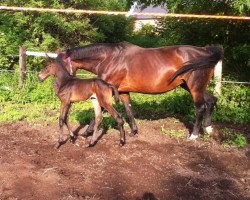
[{"x": 49, "y": 69}]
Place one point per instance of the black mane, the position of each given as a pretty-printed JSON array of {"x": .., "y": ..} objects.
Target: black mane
[
  {"x": 95, "y": 50},
  {"x": 60, "y": 65}
]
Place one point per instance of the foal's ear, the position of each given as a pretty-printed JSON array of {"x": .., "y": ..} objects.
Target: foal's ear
[
  {"x": 59, "y": 51},
  {"x": 47, "y": 56}
]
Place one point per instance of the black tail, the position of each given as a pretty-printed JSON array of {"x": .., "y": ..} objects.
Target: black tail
[
  {"x": 201, "y": 62},
  {"x": 116, "y": 93}
]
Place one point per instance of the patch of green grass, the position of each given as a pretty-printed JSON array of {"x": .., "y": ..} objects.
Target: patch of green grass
[
  {"x": 180, "y": 134},
  {"x": 29, "y": 111},
  {"x": 231, "y": 138}
]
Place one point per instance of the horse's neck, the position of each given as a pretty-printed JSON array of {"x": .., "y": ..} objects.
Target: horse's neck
[
  {"x": 61, "y": 78},
  {"x": 90, "y": 65}
]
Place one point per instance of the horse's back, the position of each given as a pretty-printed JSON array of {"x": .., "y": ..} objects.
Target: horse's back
[{"x": 148, "y": 69}]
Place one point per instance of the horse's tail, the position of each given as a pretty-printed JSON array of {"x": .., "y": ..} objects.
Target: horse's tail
[
  {"x": 116, "y": 93},
  {"x": 202, "y": 62}
]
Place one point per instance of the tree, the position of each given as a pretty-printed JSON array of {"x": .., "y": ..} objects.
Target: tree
[{"x": 50, "y": 31}]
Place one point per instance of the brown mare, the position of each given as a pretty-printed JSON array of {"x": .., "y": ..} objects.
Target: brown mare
[
  {"x": 150, "y": 70},
  {"x": 70, "y": 89}
]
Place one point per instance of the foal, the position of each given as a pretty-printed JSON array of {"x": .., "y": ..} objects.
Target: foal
[{"x": 70, "y": 89}]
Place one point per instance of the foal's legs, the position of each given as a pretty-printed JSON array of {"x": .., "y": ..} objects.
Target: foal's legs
[
  {"x": 210, "y": 101},
  {"x": 64, "y": 109},
  {"x": 127, "y": 103},
  {"x": 90, "y": 128},
  {"x": 119, "y": 121}
]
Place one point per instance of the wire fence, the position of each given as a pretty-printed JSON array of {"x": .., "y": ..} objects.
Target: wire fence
[
  {"x": 33, "y": 72},
  {"x": 104, "y": 12}
]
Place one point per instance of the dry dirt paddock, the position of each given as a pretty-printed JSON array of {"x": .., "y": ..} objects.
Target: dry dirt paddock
[{"x": 150, "y": 166}]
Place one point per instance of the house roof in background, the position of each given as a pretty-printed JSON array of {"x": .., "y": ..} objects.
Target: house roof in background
[{"x": 148, "y": 9}]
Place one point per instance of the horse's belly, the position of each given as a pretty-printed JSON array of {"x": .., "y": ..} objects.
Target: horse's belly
[{"x": 146, "y": 86}]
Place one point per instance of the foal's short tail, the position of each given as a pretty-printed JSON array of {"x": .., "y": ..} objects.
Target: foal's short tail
[
  {"x": 116, "y": 93},
  {"x": 202, "y": 62}
]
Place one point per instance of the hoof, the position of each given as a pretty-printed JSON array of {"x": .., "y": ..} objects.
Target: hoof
[
  {"x": 133, "y": 133},
  {"x": 87, "y": 134},
  {"x": 86, "y": 146},
  {"x": 192, "y": 137},
  {"x": 60, "y": 143},
  {"x": 122, "y": 142},
  {"x": 72, "y": 139},
  {"x": 57, "y": 145},
  {"x": 209, "y": 129},
  {"x": 89, "y": 145}
]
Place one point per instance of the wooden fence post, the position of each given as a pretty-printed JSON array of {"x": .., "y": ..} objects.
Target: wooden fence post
[
  {"x": 218, "y": 77},
  {"x": 22, "y": 65}
]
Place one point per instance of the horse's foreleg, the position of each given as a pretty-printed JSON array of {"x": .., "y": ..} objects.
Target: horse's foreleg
[
  {"x": 210, "y": 101},
  {"x": 129, "y": 110},
  {"x": 66, "y": 120},
  {"x": 62, "y": 119}
]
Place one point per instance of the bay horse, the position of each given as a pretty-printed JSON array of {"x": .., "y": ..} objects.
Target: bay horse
[
  {"x": 70, "y": 89},
  {"x": 131, "y": 68}
]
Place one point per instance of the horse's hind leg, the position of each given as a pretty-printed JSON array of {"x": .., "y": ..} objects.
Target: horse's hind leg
[
  {"x": 105, "y": 98},
  {"x": 127, "y": 103},
  {"x": 119, "y": 121},
  {"x": 200, "y": 109},
  {"x": 90, "y": 128},
  {"x": 210, "y": 101}
]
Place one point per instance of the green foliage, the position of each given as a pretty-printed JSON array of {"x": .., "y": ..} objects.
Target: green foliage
[
  {"x": 33, "y": 91},
  {"x": 226, "y": 33},
  {"x": 177, "y": 101},
  {"x": 232, "y": 7},
  {"x": 180, "y": 134},
  {"x": 147, "y": 36},
  {"x": 44, "y": 31},
  {"x": 113, "y": 28},
  {"x": 234, "y": 104},
  {"x": 231, "y": 138}
]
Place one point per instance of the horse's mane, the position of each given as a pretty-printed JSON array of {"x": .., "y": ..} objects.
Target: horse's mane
[
  {"x": 96, "y": 50},
  {"x": 60, "y": 64}
]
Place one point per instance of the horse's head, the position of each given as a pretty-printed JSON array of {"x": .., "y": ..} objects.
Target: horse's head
[{"x": 49, "y": 69}]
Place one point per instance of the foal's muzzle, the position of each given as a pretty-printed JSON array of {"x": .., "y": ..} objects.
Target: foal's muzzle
[{"x": 40, "y": 78}]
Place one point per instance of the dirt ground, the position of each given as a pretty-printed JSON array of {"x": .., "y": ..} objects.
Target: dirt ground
[{"x": 150, "y": 166}]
